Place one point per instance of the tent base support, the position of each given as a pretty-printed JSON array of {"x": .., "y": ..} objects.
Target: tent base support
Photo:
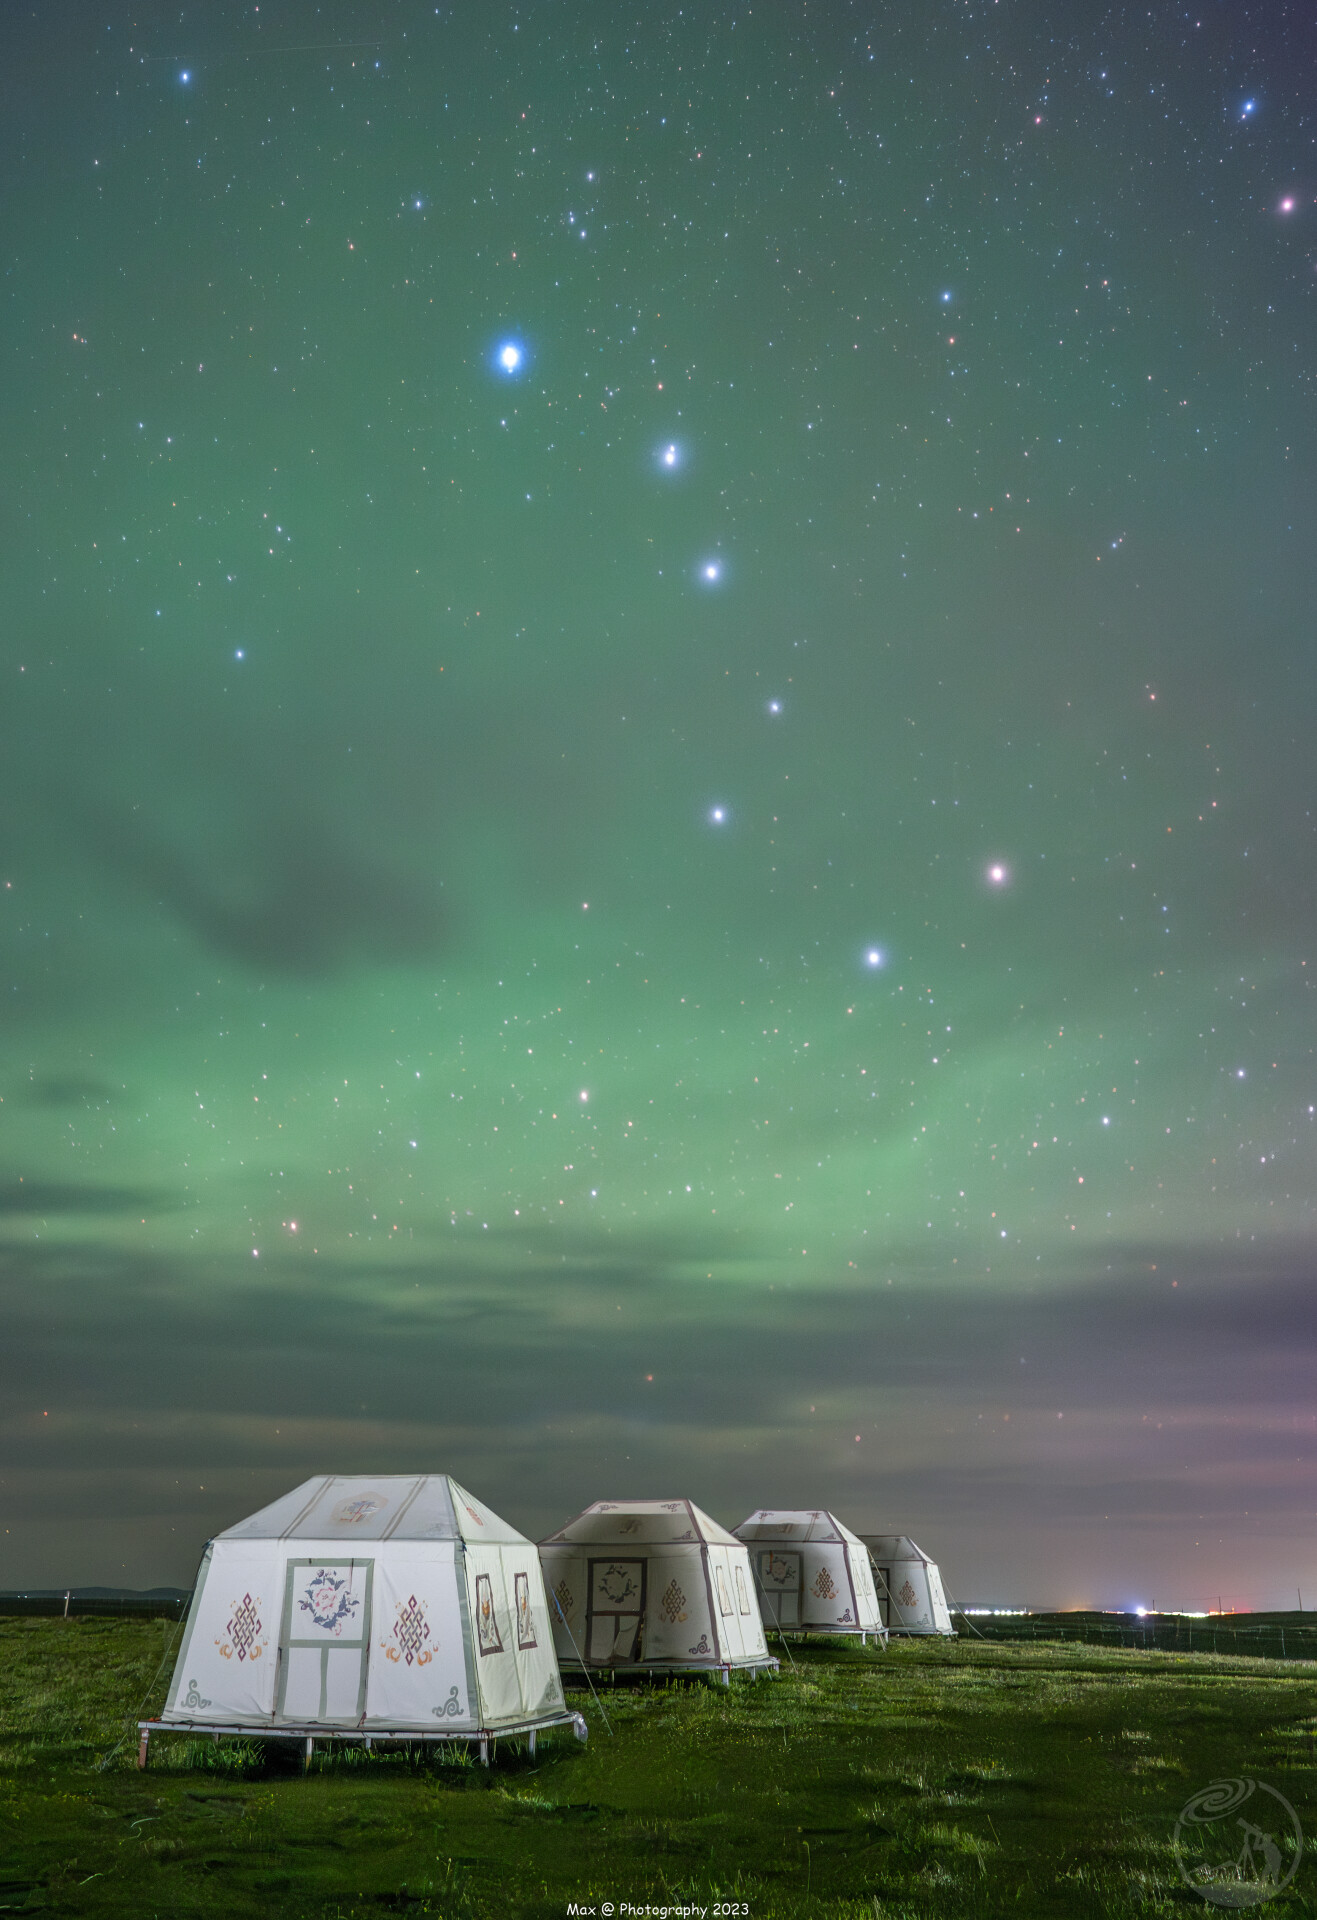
[{"x": 307, "y": 1736}]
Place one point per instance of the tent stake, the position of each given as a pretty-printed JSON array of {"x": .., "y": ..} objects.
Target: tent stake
[
  {"x": 306, "y": 1761},
  {"x": 142, "y": 1746}
]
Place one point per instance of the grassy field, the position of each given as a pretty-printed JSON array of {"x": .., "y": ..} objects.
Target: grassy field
[{"x": 936, "y": 1781}]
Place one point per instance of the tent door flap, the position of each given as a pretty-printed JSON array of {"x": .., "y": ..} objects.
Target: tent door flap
[
  {"x": 616, "y": 1612},
  {"x": 779, "y": 1583},
  {"x": 325, "y": 1640}
]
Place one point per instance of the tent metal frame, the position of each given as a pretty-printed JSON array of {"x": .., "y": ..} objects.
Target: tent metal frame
[{"x": 367, "y": 1737}]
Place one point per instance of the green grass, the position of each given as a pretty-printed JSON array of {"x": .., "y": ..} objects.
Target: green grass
[{"x": 936, "y": 1781}]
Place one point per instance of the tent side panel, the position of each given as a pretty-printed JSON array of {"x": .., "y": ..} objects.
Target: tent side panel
[
  {"x": 747, "y": 1625},
  {"x": 494, "y": 1634},
  {"x": 417, "y": 1668},
  {"x": 532, "y": 1634},
  {"x": 227, "y": 1668},
  {"x": 866, "y": 1600},
  {"x": 938, "y": 1601}
]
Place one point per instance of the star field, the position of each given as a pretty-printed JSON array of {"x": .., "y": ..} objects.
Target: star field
[{"x": 657, "y": 774}]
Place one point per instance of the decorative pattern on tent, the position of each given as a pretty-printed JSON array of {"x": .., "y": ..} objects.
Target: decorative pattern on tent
[
  {"x": 630, "y": 1526},
  {"x": 824, "y": 1585},
  {"x": 353, "y": 1512},
  {"x": 775, "y": 1570},
  {"x": 701, "y": 1645},
  {"x": 452, "y": 1707},
  {"x": 907, "y": 1596},
  {"x": 244, "y": 1631},
  {"x": 411, "y": 1630},
  {"x": 192, "y": 1698},
  {"x": 491, "y": 1640},
  {"x": 618, "y": 1584},
  {"x": 672, "y": 1605},
  {"x": 525, "y": 1620},
  {"x": 562, "y": 1593},
  {"x": 329, "y": 1601},
  {"x": 742, "y": 1597}
]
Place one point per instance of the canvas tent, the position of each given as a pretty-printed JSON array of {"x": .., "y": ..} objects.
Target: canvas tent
[
  {"x": 812, "y": 1573},
  {"x": 909, "y": 1585},
  {"x": 654, "y": 1585},
  {"x": 389, "y": 1607}
]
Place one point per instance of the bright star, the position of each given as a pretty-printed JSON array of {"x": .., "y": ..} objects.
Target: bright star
[
  {"x": 945, "y": 298},
  {"x": 184, "y": 77},
  {"x": 998, "y": 874},
  {"x": 718, "y": 815},
  {"x": 875, "y": 958},
  {"x": 510, "y": 358},
  {"x": 775, "y": 706},
  {"x": 669, "y": 456},
  {"x": 1287, "y": 205},
  {"x": 711, "y": 572}
]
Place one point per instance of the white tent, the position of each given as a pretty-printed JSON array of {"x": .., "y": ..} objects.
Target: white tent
[
  {"x": 653, "y": 1585},
  {"x": 909, "y": 1585},
  {"x": 812, "y": 1573},
  {"x": 392, "y": 1607}
]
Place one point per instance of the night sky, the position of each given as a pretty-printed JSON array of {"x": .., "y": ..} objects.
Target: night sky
[{"x": 658, "y": 774}]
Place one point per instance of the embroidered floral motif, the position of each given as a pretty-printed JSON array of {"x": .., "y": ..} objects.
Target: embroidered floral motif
[
  {"x": 329, "y": 1601},
  {"x": 244, "y": 1631},
  {"x": 525, "y": 1619},
  {"x": 907, "y": 1596},
  {"x": 411, "y": 1630},
  {"x": 618, "y": 1584},
  {"x": 824, "y": 1585},
  {"x": 701, "y": 1646},
  {"x": 672, "y": 1506},
  {"x": 192, "y": 1698},
  {"x": 779, "y": 1570},
  {"x": 672, "y": 1605},
  {"x": 451, "y": 1708}
]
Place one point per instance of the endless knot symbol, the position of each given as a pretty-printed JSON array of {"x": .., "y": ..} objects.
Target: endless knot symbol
[
  {"x": 244, "y": 1627},
  {"x": 673, "y": 1601},
  {"x": 824, "y": 1586},
  {"x": 412, "y": 1630}
]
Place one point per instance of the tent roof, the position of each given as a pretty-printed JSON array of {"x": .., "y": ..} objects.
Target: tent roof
[
  {"x": 648, "y": 1523},
  {"x": 793, "y": 1524},
  {"x": 386, "y": 1506},
  {"x": 895, "y": 1546}
]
